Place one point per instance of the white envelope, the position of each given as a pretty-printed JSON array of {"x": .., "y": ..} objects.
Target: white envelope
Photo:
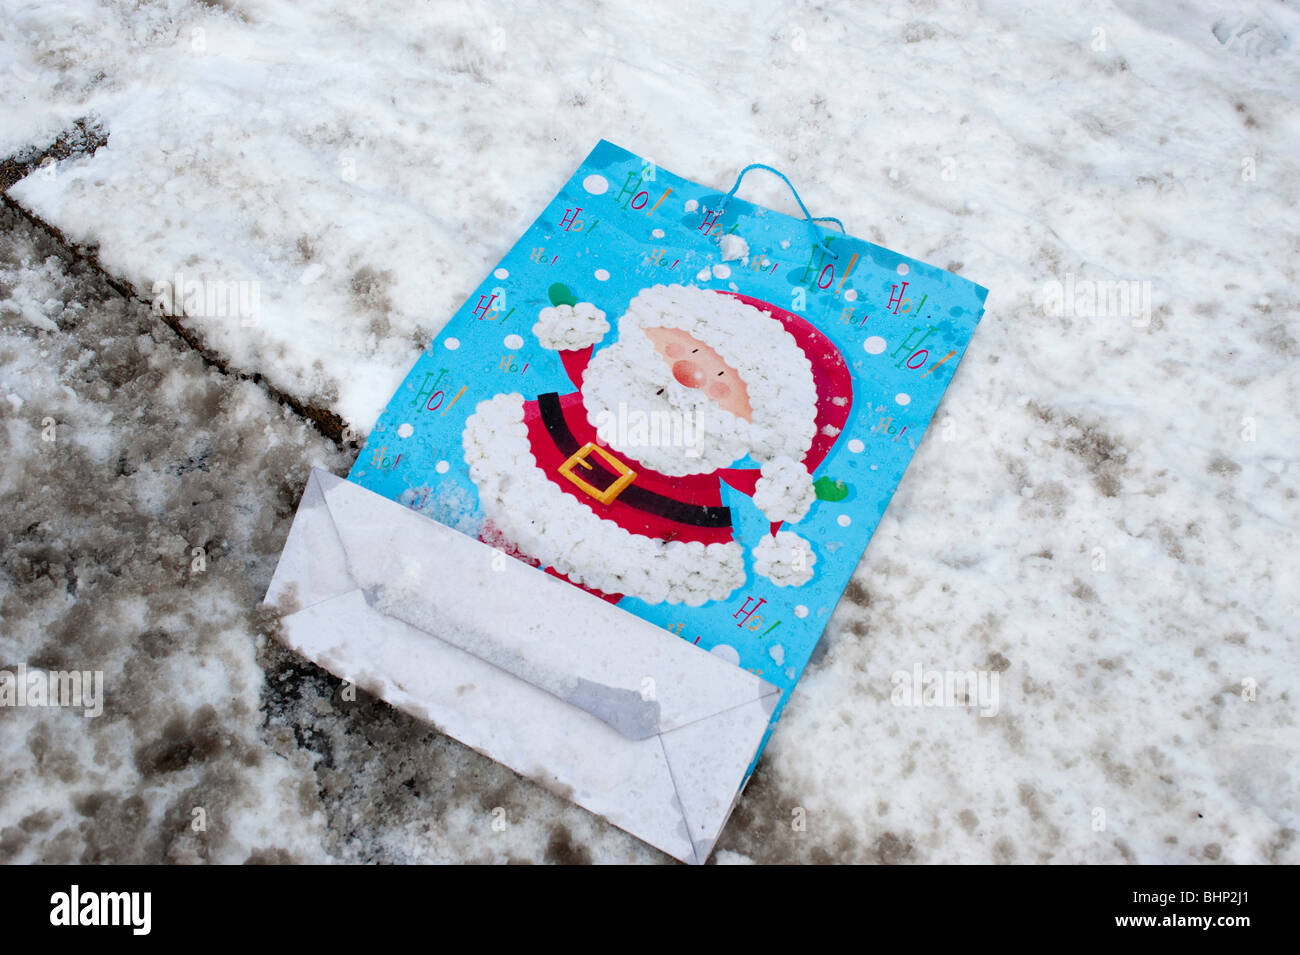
[{"x": 622, "y": 717}]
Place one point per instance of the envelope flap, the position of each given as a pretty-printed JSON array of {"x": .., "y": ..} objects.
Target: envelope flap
[
  {"x": 313, "y": 566},
  {"x": 705, "y": 760},
  {"x": 636, "y": 677}
]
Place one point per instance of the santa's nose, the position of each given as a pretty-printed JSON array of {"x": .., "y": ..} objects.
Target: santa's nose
[{"x": 688, "y": 373}]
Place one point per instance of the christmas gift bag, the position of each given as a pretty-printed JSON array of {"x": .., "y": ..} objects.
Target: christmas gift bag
[{"x": 602, "y": 523}]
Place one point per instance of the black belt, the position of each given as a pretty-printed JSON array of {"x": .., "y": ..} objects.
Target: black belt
[{"x": 638, "y": 497}]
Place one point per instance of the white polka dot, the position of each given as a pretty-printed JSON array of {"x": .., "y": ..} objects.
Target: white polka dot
[
  {"x": 850, "y": 295},
  {"x": 442, "y": 467},
  {"x": 722, "y": 271},
  {"x": 856, "y": 446},
  {"x": 703, "y": 275},
  {"x": 903, "y": 269},
  {"x": 903, "y": 399},
  {"x": 657, "y": 233},
  {"x": 602, "y": 275},
  {"x": 727, "y": 653},
  {"x": 874, "y": 345},
  {"x": 451, "y": 344},
  {"x": 844, "y": 520},
  {"x": 801, "y": 611},
  {"x": 514, "y": 341},
  {"x": 596, "y": 185},
  {"x": 405, "y": 431},
  {"x": 502, "y": 273},
  {"x": 691, "y": 206}
]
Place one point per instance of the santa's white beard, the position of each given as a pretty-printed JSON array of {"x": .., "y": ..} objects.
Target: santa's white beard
[{"x": 642, "y": 412}]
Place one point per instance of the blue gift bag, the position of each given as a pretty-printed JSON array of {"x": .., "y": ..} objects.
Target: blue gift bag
[{"x": 692, "y": 407}]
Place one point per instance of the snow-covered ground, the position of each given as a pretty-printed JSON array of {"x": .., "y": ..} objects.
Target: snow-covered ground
[{"x": 1104, "y": 514}]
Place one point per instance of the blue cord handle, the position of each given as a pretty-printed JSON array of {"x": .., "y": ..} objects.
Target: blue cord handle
[{"x": 808, "y": 216}]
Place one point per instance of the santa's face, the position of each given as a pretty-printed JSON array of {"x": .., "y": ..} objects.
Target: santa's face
[
  {"x": 667, "y": 400},
  {"x": 695, "y": 364}
]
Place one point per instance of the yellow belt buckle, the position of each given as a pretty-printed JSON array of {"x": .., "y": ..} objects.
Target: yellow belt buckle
[{"x": 607, "y": 496}]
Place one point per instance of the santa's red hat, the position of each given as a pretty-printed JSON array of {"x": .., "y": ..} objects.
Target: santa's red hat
[{"x": 831, "y": 377}]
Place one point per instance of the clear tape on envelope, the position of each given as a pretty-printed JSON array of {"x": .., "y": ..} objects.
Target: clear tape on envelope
[{"x": 625, "y": 718}]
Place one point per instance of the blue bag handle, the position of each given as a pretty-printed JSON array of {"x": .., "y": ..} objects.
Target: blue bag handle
[{"x": 808, "y": 216}]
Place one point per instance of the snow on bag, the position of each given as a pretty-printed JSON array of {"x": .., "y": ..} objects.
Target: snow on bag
[{"x": 601, "y": 525}]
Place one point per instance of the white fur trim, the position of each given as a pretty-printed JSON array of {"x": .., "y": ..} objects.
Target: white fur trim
[
  {"x": 564, "y": 327},
  {"x": 552, "y": 527},
  {"x": 785, "y": 491},
  {"x": 777, "y": 373},
  {"x": 784, "y": 558}
]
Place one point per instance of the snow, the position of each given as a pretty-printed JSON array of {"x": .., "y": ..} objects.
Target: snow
[
  {"x": 734, "y": 247},
  {"x": 1103, "y": 515},
  {"x": 99, "y": 534}
]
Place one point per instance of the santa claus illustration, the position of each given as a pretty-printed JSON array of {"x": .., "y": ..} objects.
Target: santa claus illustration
[{"x": 565, "y": 483}]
